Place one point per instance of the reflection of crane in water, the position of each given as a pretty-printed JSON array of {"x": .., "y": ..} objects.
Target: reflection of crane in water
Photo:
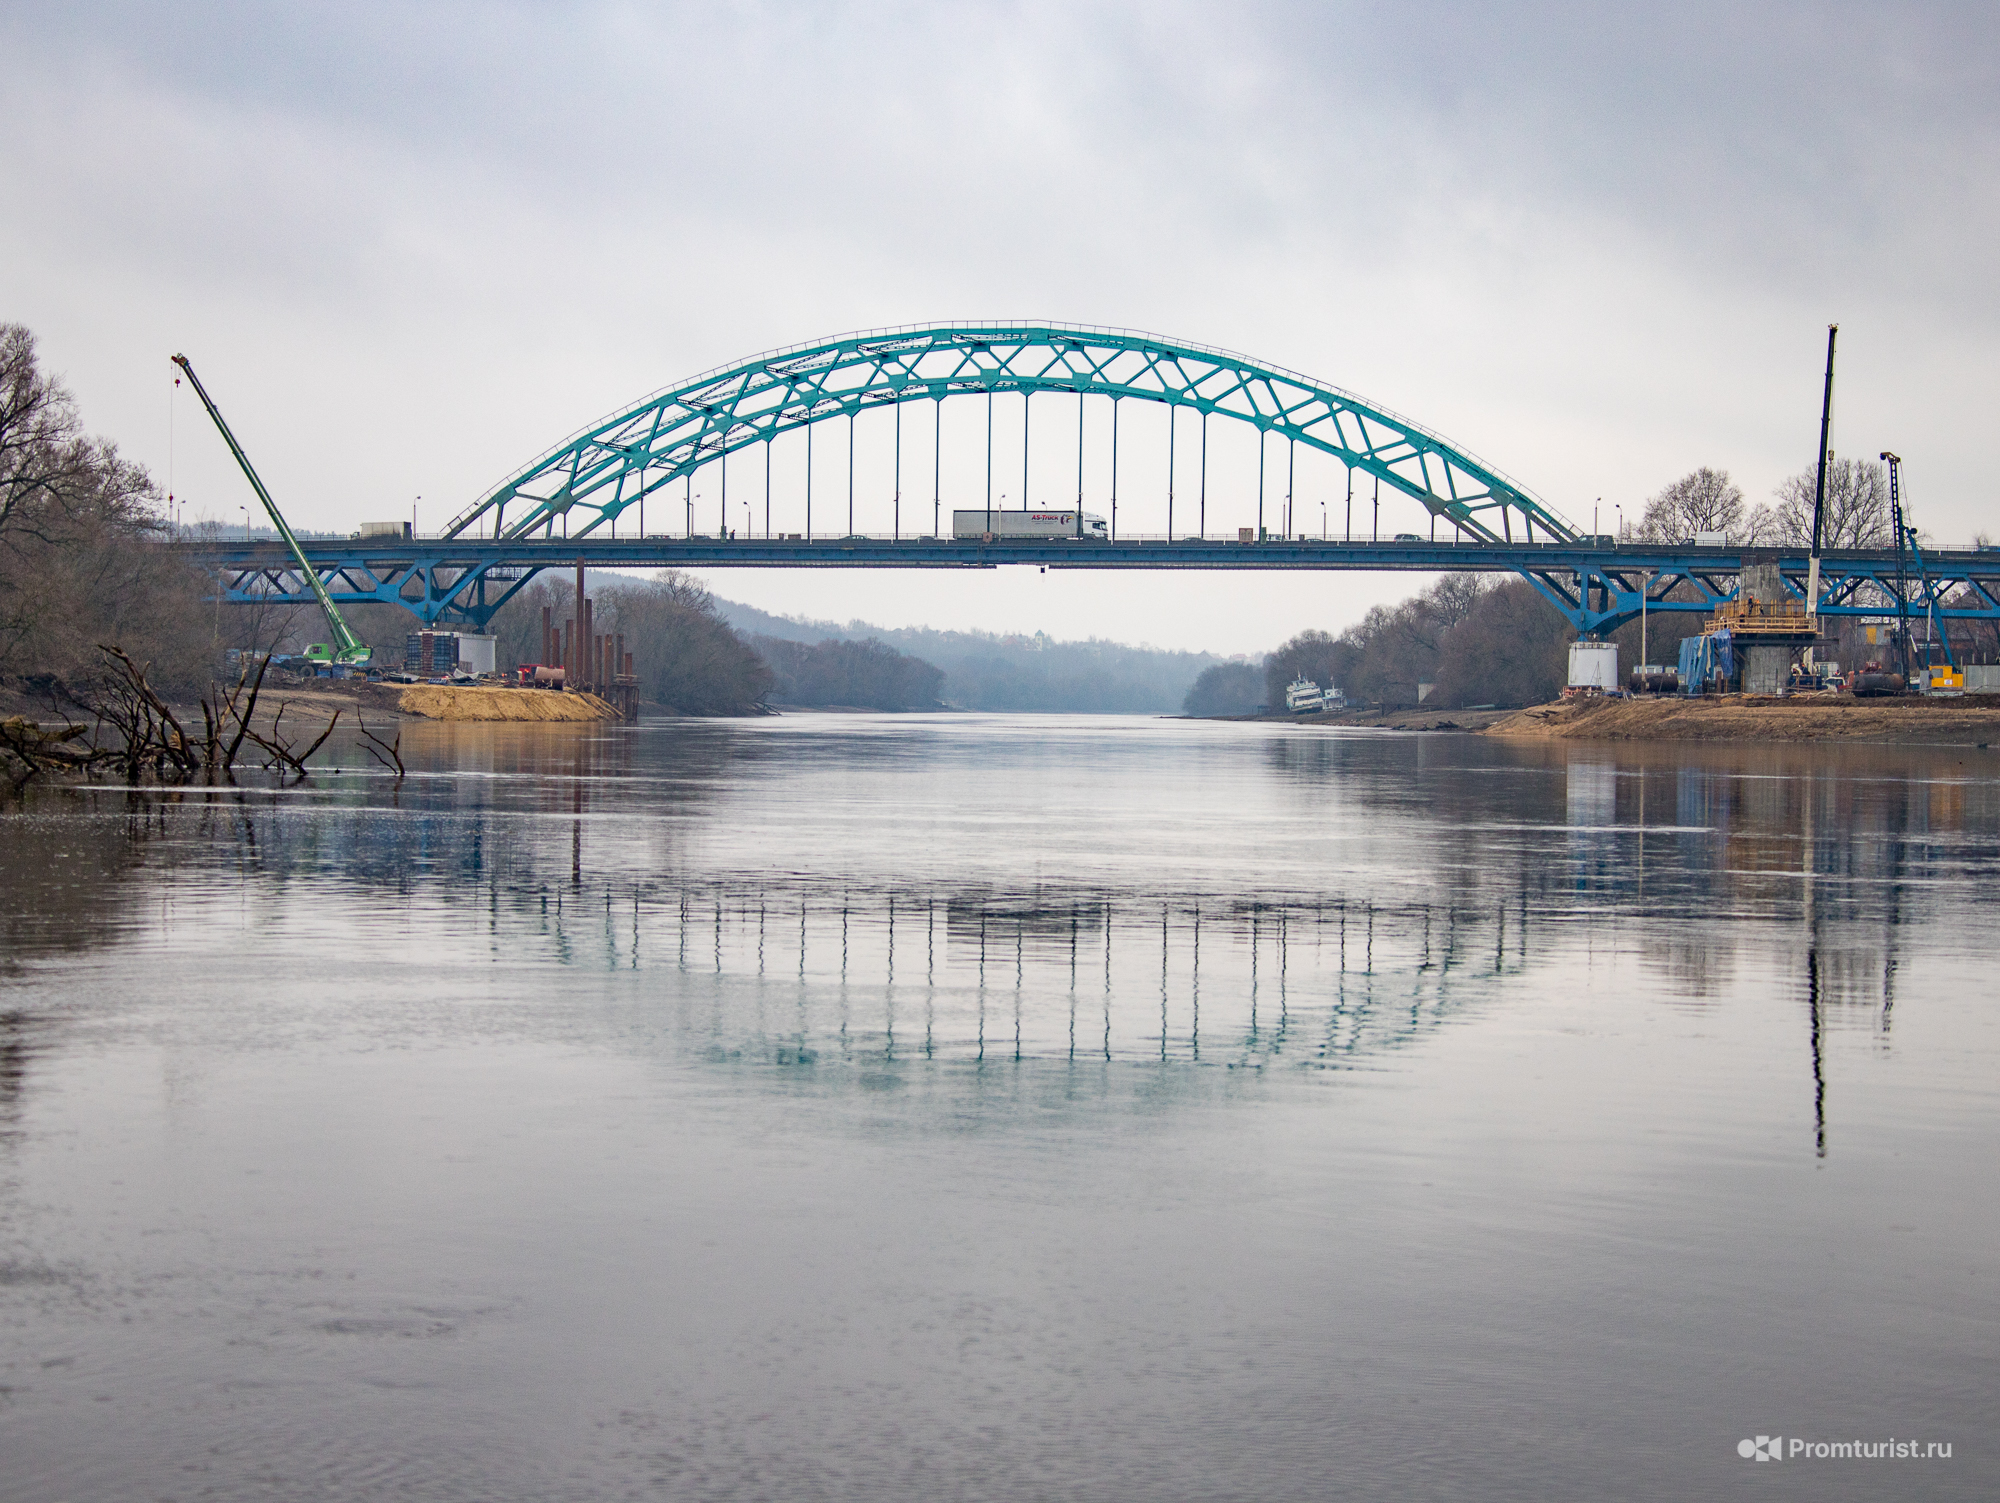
[
  {"x": 1817, "y": 1031},
  {"x": 1833, "y": 972}
]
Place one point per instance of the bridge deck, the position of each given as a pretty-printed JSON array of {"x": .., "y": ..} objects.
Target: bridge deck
[
  {"x": 1125, "y": 553},
  {"x": 1597, "y": 587}
]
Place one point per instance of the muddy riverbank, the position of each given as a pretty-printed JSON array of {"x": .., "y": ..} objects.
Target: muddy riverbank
[{"x": 1970, "y": 720}]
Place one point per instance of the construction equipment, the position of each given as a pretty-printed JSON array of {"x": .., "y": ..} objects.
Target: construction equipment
[
  {"x": 1908, "y": 548},
  {"x": 1902, "y": 627},
  {"x": 1819, "y": 481},
  {"x": 346, "y": 648}
]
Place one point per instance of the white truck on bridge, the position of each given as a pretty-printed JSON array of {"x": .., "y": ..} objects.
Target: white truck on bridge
[{"x": 1037, "y": 523}]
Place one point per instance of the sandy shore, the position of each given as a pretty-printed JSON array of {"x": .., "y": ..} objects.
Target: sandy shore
[
  {"x": 1972, "y": 720},
  {"x": 438, "y": 702}
]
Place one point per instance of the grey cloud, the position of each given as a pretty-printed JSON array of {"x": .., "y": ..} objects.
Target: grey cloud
[
  {"x": 1596, "y": 244},
  {"x": 1793, "y": 140}
]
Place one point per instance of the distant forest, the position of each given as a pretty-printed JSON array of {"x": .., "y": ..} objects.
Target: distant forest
[
  {"x": 986, "y": 671},
  {"x": 854, "y": 675}
]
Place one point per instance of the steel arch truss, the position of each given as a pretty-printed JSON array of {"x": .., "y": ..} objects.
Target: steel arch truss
[{"x": 587, "y": 482}]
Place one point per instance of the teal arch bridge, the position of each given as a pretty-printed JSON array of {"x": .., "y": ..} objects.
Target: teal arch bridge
[{"x": 585, "y": 500}]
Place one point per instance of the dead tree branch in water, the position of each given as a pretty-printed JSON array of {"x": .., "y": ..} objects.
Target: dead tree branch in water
[
  {"x": 284, "y": 756},
  {"x": 153, "y": 738},
  {"x": 388, "y": 753},
  {"x": 27, "y": 748},
  {"x": 150, "y": 730},
  {"x": 242, "y": 716}
]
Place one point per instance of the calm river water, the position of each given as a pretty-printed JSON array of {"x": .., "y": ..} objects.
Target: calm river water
[{"x": 839, "y": 1107}]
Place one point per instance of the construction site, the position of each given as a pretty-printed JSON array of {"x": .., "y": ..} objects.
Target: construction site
[
  {"x": 1771, "y": 640},
  {"x": 458, "y": 673}
]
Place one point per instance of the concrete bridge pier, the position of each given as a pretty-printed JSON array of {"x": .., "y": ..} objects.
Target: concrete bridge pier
[{"x": 1766, "y": 670}]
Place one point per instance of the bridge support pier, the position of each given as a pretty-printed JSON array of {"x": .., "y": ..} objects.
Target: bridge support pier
[{"x": 1766, "y": 670}]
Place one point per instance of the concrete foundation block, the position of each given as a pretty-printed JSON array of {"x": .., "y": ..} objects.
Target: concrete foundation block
[{"x": 1766, "y": 670}]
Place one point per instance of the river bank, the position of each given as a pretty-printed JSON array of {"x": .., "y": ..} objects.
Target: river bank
[
  {"x": 456, "y": 702},
  {"x": 1414, "y": 718},
  {"x": 377, "y": 703},
  {"x": 1971, "y": 720},
  {"x": 442, "y": 702}
]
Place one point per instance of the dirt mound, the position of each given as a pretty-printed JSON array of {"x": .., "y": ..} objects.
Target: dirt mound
[
  {"x": 437, "y": 702},
  {"x": 1740, "y": 717}
]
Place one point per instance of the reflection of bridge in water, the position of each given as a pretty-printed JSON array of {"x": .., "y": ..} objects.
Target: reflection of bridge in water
[
  {"x": 1786, "y": 879},
  {"x": 796, "y": 971}
]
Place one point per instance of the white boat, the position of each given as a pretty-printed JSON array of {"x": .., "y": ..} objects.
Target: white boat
[{"x": 1303, "y": 697}]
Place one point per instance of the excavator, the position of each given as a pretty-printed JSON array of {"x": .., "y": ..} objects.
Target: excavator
[{"x": 346, "y": 649}]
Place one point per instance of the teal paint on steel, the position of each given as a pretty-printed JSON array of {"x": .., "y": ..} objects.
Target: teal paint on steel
[
  {"x": 587, "y": 481},
  {"x": 1597, "y": 588},
  {"x": 560, "y": 503}
]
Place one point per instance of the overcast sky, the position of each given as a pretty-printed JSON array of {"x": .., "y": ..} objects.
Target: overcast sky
[{"x": 409, "y": 247}]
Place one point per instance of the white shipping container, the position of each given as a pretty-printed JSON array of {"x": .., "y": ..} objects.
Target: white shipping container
[
  {"x": 1037, "y": 523},
  {"x": 1593, "y": 665}
]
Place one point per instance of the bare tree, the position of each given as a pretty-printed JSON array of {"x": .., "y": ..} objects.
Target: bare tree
[
  {"x": 83, "y": 558},
  {"x": 1855, "y": 515},
  {"x": 1449, "y": 600},
  {"x": 44, "y": 457},
  {"x": 1704, "y": 500}
]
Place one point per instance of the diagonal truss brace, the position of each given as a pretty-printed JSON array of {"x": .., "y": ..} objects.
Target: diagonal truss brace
[{"x": 588, "y": 481}]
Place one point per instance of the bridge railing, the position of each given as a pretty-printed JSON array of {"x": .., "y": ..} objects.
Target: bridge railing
[
  {"x": 389, "y": 546},
  {"x": 1955, "y": 551}
]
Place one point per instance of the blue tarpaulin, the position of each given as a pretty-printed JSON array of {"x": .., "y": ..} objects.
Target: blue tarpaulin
[{"x": 1704, "y": 660}]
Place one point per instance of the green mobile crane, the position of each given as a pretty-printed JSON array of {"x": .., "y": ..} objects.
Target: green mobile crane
[{"x": 346, "y": 648}]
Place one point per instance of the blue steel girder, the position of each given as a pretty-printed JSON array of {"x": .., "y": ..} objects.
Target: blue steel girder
[
  {"x": 430, "y": 582},
  {"x": 1600, "y": 597},
  {"x": 593, "y": 477},
  {"x": 1597, "y": 589},
  {"x": 1950, "y": 588}
]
